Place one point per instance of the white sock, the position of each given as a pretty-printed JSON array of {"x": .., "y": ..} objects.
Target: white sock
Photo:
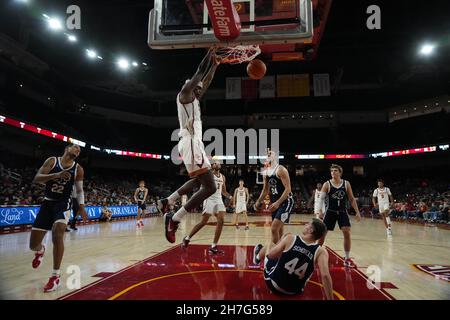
[
  {"x": 42, "y": 249},
  {"x": 187, "y": 238},
  {"x": 347, "y": 254},
  {"x": 214, "y": 245},
  {"x": 388, "y": 220},
  {"x": 179, "y": 214},
  {"x": 55, "y": 272},
  {"x": 173, "y": 197}
]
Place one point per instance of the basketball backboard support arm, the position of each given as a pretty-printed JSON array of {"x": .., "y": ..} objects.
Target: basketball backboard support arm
[{"x": 158, "y": 40}]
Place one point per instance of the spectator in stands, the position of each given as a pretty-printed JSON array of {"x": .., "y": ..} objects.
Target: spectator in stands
[
  {"x": 106, "y": 214},
  {"x": 431, "y": 214},
  {"x": 443, "y": 214}
]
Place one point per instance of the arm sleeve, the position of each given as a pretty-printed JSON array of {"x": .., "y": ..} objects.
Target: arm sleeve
[{"x": 80, "y": 192}]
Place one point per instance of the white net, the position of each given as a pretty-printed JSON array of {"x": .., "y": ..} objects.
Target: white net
[{"x": 238, "y": 54}]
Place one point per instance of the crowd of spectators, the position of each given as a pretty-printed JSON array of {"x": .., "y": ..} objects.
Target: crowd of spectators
[{"x": 416, "y": 199}]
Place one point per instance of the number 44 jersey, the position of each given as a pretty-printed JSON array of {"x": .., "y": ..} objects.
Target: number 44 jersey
[{"x": 293, "y": 269}]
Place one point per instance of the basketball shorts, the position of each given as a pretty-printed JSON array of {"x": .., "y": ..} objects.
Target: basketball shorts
[
  {"x": 141, "y": 205},
  {"x": 213, "y": 206},
  {"x": 383, "y": 206},
  {"x": 269, "y": 268},
  {"x": 192, "y": 152},
  {"x": 283, "y": 212},
  {"x": 331, "y": 217},
  {"x": 241, "y": 207},
  {"x": 52, "y": 212}
]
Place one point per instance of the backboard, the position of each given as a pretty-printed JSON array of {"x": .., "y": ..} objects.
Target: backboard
[{"x": 181, "y": 24}]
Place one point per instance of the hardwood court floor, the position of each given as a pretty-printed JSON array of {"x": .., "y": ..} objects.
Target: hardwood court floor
[{"x": 102, "y": 250}]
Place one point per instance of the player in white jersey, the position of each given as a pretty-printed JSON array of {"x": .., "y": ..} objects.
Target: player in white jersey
[
  {"x": 191, "y": 147},
  {"x": 212, "y": 206},
  {"x": 383, "y": 200},
  {"x": 240, "y": 200},
  {"x": 319, "y": 206}
]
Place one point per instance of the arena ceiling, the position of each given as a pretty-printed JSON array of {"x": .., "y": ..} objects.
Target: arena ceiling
[{"x": 369, "y": 69}]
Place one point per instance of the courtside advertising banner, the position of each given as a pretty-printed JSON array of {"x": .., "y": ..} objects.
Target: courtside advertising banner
[{"x": 13, "y": 216}]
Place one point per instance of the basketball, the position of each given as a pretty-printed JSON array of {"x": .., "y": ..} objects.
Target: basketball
[{"x": 256, "y": 69}]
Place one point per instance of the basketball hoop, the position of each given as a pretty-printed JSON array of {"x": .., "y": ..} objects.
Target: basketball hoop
[{"x": 238, "y": 54}]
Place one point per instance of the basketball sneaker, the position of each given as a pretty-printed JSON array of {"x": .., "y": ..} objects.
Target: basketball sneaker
[
  {"x": 247, "y": 228},
  {"x": 52, "y": 284},
  {"x": 170, "y": 227},
  {"x": 163, "y": 205},
  {"x": 256, "y": 251},
  {"x": 214, "y": 250},
  {"x": 185, "y": 243},
  {"x": 141, "y": 223},
  {"x": 349, "y": 263},
  {"x": 38, "y": 257}
]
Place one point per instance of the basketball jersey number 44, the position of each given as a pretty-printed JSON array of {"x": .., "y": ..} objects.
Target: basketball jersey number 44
[{"x": 300, "y": 271}]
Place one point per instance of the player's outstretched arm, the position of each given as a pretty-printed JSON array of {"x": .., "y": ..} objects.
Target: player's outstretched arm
[
  {"x": 80, "y": 192},
  {"x": 322, "y": 263},
  {"x": 189, "y": 86},
  {"x": 43, "y": 176},
  {"x": 391, "y": 198},
  {"x": 352, "y": 200},
  {"x": 374, "y": 202},
  {"x": 210, "y": 74},
  {"x": 224, "y": 189},
  {"x": 374, "y": 198}
]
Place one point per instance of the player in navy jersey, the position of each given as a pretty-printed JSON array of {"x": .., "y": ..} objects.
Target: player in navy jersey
[
  {"x": 140, "y": 196},
  {"x": 59, "y": 174},
  {"x": 289, "y": 264},
  {"x": 338, "y": 191},
  {"x": 277, "y": 185}
]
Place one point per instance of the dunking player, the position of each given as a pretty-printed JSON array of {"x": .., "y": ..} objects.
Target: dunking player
[
  {"x": 191, "y": 146},
  {"x": 278, "y": 185},
  {"x": 240, "y": 200},
  {"x": 338, "y": 192},
  {"x": 382, "y": 198},
  {"x": 140, "y": 196},
  {"x": 59, "y": 174},
  {"x": 289, "y": 264},
  {"x": 212, "y": 206}
]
